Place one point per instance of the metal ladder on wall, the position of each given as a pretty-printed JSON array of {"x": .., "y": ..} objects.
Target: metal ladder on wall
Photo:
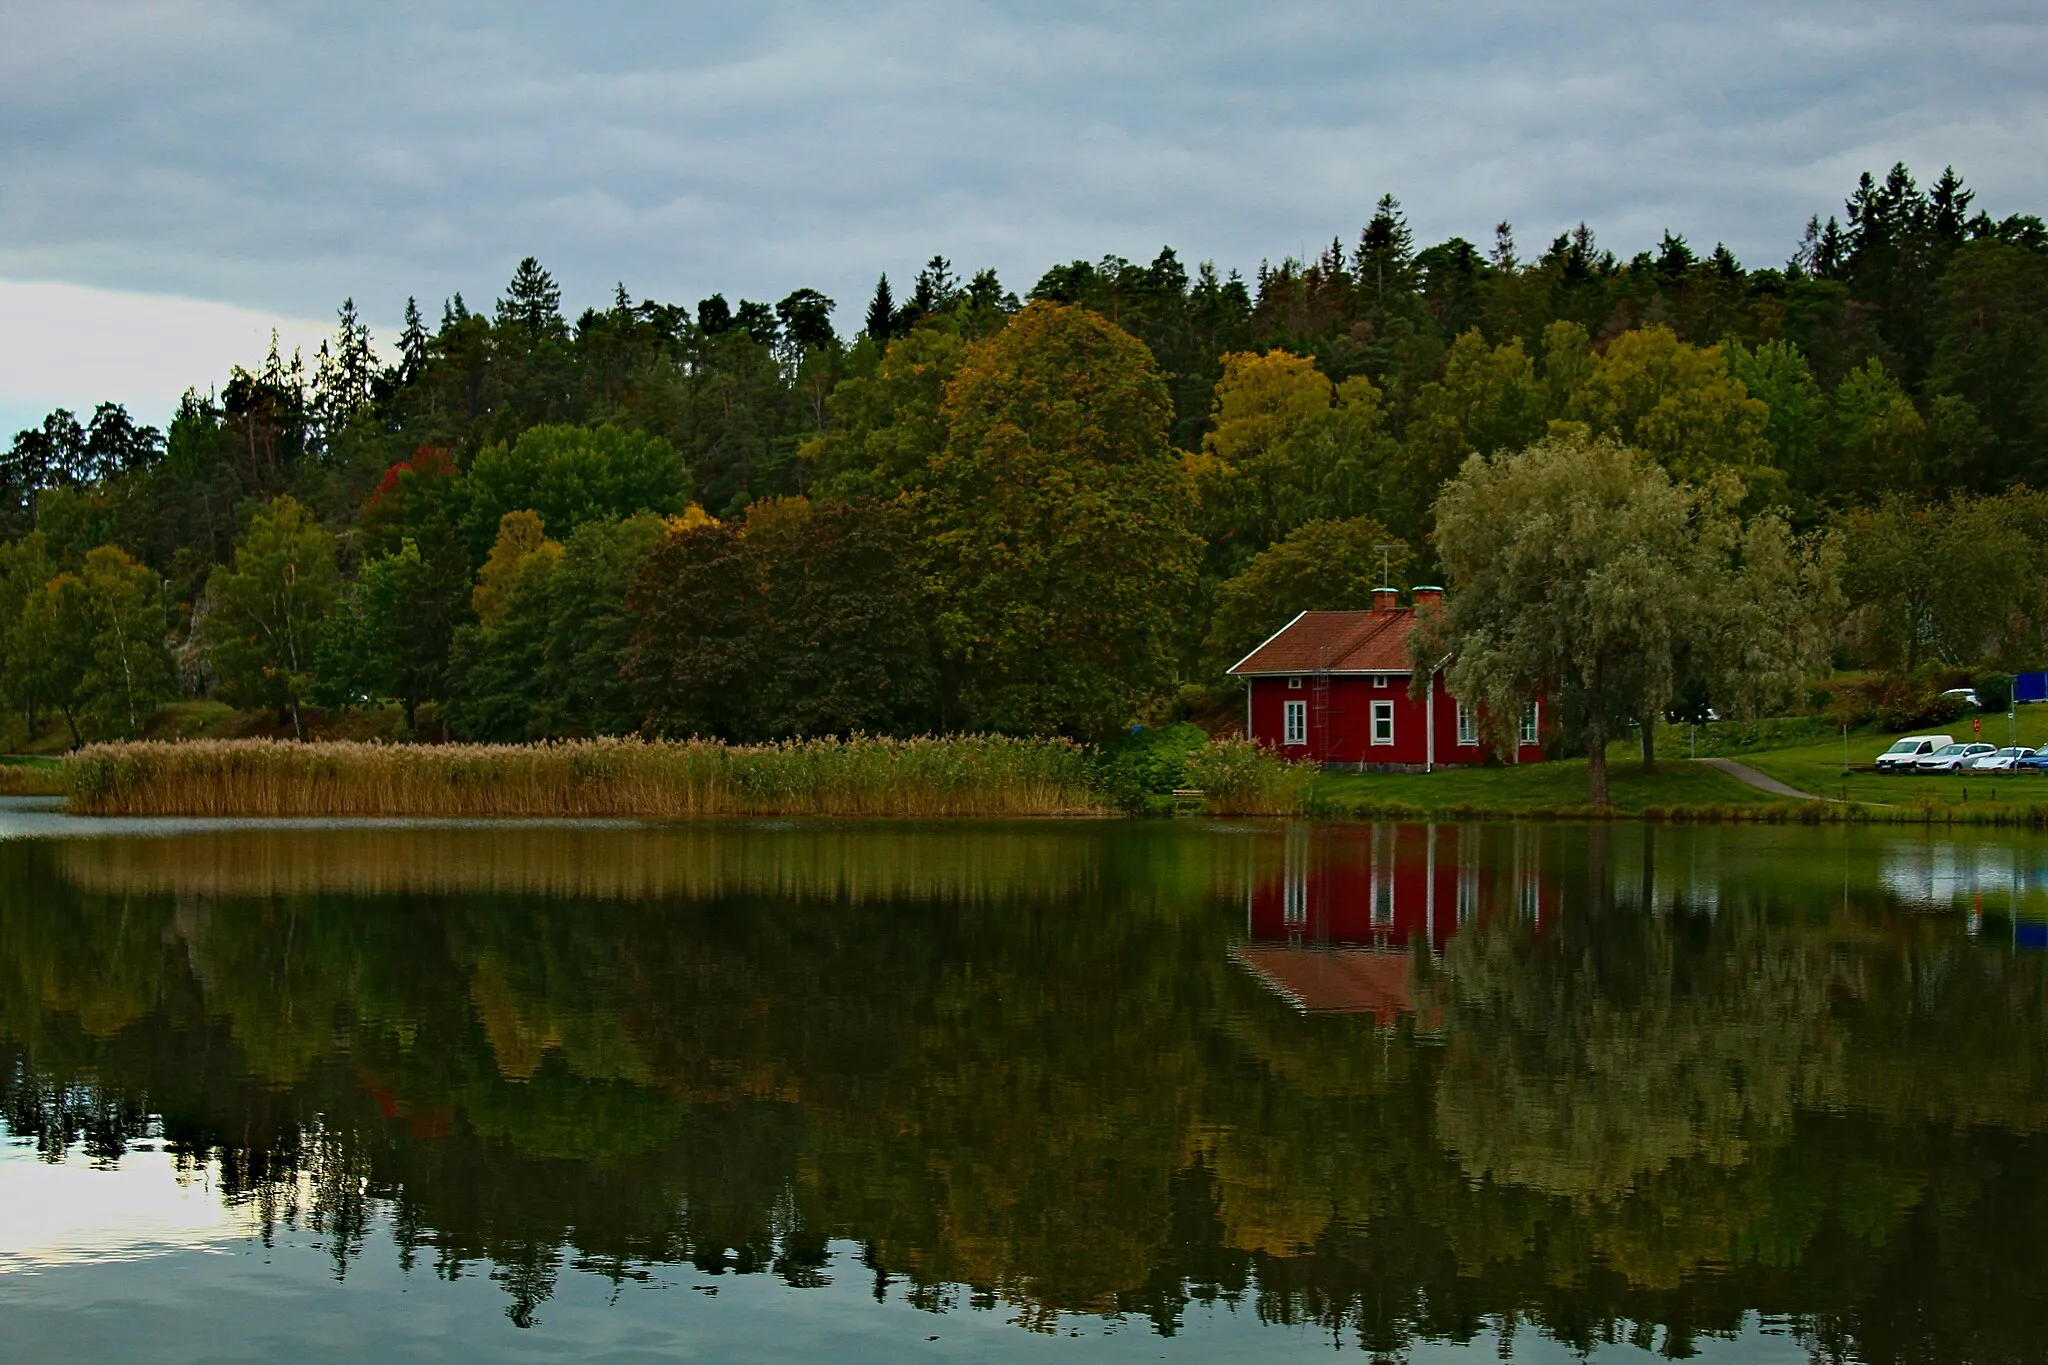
[{"x": 1319, "y": 715}]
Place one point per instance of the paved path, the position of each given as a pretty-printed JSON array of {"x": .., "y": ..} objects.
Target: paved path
[{"x": 1742, "y": 772}]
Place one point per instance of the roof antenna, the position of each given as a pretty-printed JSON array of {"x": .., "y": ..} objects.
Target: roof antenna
[{"x": 1386, "y": 553}]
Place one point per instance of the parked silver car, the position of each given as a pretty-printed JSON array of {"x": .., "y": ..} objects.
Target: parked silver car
[
  {"x": 2001, "y": 761},
  {"x": 1951, "y": 758}
]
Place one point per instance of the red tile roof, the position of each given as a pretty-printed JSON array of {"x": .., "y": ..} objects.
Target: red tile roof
[
  {"x": 1336, "y": 642},
  {"x": 1336, "y": 981}
]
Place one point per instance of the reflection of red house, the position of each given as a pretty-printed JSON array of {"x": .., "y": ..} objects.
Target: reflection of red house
[
  {"x": 1333, "y": 686},
  {"x": 1337, "y": 928},
  {"x": 1340, "y": 981}
]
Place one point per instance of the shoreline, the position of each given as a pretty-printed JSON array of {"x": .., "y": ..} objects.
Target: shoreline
[{"x": 961, "y": 777}]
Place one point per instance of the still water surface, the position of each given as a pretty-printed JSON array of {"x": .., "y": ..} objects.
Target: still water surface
[{"x": 1081, "y": 1091}]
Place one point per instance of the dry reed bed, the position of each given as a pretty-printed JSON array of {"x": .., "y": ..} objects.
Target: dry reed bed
[{"x": 971, "y": 775}]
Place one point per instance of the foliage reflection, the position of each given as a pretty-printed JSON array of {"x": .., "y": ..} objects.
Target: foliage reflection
[{"x": 1403, "y": 1081}]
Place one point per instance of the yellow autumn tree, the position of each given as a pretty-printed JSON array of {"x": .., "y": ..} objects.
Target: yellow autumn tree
[
  {"x": 520, "y": 537},
  {"x": 1286, "y": 447},
  {"x": 1678, "y": 404},
  {"x": 1487, "y": 401}
]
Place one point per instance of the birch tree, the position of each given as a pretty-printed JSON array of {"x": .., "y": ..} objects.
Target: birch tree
[{"x": 269, "y": 608}]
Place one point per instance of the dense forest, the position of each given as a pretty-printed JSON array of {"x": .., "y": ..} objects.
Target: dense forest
[{"x": 1060, "y": 513}]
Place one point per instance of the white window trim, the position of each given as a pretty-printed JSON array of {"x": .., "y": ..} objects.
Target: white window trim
[
  {"x": 1382, "y": 710},
  {"x": 1468, "y": 727},
  {"x": 1294, "y": 723},
  {"x": 1532, "y": 725},
  {"x": 1294, "y": 683}
]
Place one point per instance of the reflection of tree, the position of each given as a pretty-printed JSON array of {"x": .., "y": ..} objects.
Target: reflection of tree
[
  {"x": 1068, "y": 1098},
  {"x": 1582, "y": 1063}
]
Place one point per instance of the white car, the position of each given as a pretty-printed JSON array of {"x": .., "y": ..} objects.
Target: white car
[
  {"x": 1950, "y": 758},
  {"x": 1901, "y": 757},
  {"x": 2000, "y": 762},
  {"x": 1969, "y": 696}
]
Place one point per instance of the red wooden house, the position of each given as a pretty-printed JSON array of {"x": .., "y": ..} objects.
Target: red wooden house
[{"x": 1333, "y": 686}]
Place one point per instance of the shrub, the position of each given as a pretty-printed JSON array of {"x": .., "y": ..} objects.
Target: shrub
[
  {"x": 1240, "y": 777},
  {"x": 1994, "y": 691},
  {"x": 1896, "y": 703},
  {"x": 1138, "y": 772}
]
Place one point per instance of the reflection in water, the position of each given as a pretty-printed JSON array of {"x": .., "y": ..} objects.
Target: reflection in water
[{"x": 1405, "y": 1082}]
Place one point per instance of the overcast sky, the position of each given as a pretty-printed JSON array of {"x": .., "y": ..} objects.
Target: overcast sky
[{"x": 178, "y": 176}]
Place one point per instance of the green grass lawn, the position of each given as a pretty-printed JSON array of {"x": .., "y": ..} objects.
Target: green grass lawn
[
  {"x": 1534, "y": 788},
  {"x": 1817, "y": 767},
  {"x": 1814, "y": 766}
]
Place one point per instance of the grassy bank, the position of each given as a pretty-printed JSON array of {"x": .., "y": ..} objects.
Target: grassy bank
[
  {"x": 29, "y": 776},
  {"x": 1555, "y": 790},
  {"x": 1681, "y": 790},
  {"x": 961, "y": 776},
  {"x": 976, "y": 776}
]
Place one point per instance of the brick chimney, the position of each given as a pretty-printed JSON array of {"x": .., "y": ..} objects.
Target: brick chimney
[
  {"x": 1428, "y": 595},
  {"x": 1385, "y": 599}
]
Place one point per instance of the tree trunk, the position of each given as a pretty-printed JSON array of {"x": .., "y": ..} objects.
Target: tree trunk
[
  {"x": 77, "y": 740},
  {"x": 1596, "y": 762},
  {"x": 1649, "y": 728}
]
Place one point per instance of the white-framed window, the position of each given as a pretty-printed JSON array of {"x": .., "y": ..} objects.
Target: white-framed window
[
  {"x": 1294, "y": 683},
  {"x": 1532, "y": 718},
  {"x": 1468, "y": 726},
  {"x": 1294, "y": 722},
  {"x": 1383, "y": 722},
  {"x": 1379, "y": 680}
]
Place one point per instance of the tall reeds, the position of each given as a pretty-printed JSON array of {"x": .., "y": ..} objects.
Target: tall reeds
[
  {"x": 969, "y": 775},
  {"x": 1239, "y": 777}
]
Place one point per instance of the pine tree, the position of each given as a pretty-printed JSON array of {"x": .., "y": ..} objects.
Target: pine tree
[
  {"x": 806, "y": 318},
  {"x": 344, "y": 372},
  {"x": 1503, "y": 245},
  {"x": 937, "y": 290},
  {"x": 1674, "y": 258},
  {"x": 714, "y": 315}
]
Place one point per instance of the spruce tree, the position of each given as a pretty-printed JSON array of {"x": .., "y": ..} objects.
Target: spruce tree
[
  {"x": 1384, "y": 265},
  {"x": 881, "y": 322},
  {"x": 532, "y": 301},
  {"x": 412, "y": 344}
]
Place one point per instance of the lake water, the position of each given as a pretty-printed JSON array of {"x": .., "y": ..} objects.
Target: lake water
[{"x": 1078, "y": 1091}]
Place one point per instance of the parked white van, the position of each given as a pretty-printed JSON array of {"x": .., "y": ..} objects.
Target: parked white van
[{"x": 1901, "y": 757}]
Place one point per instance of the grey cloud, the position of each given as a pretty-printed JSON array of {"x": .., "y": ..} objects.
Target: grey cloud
[{"x": 282, "y": 156}]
